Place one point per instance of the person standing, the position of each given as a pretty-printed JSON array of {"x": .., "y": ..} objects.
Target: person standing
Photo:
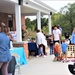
[
  {"x": 10, "y": 36},
  {"x": 59, "y": 28},
  {"x": 51, "y": 41},
  {"x": 5, "y": 55},
  {"x": 73, "y": 37},
  {"x": 40, "y": 41},
  {"x": 66, "y": 34},
  {"x": 56, "y": 34}
]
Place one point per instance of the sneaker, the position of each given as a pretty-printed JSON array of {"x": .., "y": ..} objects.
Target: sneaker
[
  {"x": 37, "y": 56},
  {"x": 54, "y": 60},
  {"x": 44, "y": 56}
]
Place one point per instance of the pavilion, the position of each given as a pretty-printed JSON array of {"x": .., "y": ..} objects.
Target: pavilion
[{"x": 13, "y": 12}]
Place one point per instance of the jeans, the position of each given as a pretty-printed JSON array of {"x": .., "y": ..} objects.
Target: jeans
[{"x": 51, "y": 49}]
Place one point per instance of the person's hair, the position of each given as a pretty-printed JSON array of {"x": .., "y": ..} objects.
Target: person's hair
[
  {"x": 51, "y": 35},
  {"x": 58, "y": 26},
  {"x": 38, "y": 30},
  {"x": 3, "y": 27},
  {"x": 57, "y": 44},
  {"x": 8, "y": 29},
  {"x": 55, "y": 25}
]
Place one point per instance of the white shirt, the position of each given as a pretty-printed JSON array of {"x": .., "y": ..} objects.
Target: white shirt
[
  {"x": 56, "y": 34},
  {"x": 40, "y": 39},
  {"x": 14, "y": 35}
]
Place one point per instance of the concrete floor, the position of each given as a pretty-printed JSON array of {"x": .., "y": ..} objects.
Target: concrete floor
[{"x": 44, "y": 66}]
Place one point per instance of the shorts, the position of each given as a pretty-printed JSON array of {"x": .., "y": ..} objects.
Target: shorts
[
  {"x": 56, "y": 54},
  {"x": 64, "y": 52}
]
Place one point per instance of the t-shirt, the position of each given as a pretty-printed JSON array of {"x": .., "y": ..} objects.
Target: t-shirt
[
  {"x": 60, "y": 29},
  {"x": 51, "y": 42},
  {"x": 56, "y": 34},
  {"x": 14, "y": 35},
  {"x": 64, "y": 46}
]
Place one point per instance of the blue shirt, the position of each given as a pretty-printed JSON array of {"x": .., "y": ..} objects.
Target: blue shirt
[
  {"x": 73, "y": 38},
  {"x": 5, "y": 55},
  {"x": 64, "y": 46},
  {"x": 60, "y": 29}
]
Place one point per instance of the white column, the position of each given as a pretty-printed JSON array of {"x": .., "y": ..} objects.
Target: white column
[
  {"x": 18, "y": 22},
  {"x": 39, "y": 20},
  {"x": 49, "y": 24}
]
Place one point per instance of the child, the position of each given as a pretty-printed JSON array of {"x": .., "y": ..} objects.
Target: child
[
  {"x": 57, "y": 51},
  {"x": 51, "y": 45},
  {"x": 67, "y": 41},
  {"x": 64, "y": 47}
]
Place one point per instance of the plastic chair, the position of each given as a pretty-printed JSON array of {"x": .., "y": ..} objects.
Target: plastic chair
[{"x": 18, "y": 62}]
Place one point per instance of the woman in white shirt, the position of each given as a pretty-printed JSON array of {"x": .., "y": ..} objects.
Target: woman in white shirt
[{"x": 40, "y": 41}]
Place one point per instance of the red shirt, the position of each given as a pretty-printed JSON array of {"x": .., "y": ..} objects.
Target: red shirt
[{"x": 56, "y": 49}]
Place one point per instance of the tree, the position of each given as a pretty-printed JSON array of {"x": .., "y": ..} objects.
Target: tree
[
  {"x": 69, "y": 16},
  {"x": 65, "y": 18},
  {"x": 56, "y": 18},
  {"x": 44, "y": 22},
  {"x": 30, "y": 24}
]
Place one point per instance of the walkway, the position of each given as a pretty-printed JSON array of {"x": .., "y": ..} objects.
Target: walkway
[{"x": 44, "y": 66}]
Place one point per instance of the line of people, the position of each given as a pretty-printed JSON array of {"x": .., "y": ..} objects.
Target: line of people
[{"x": 57, "y": 45}]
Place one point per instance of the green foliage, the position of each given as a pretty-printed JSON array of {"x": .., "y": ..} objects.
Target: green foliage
[
  {"x": 45, "y": 29},
  {"x": 65, "y": 18},
  {"x": 32, "y": 25},
  {"x": 55, "y": 18},
  {"x": 44, "y": 22}
]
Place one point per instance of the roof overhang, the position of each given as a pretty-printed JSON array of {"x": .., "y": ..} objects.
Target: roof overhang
[{"x": 28, "y": 7}]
